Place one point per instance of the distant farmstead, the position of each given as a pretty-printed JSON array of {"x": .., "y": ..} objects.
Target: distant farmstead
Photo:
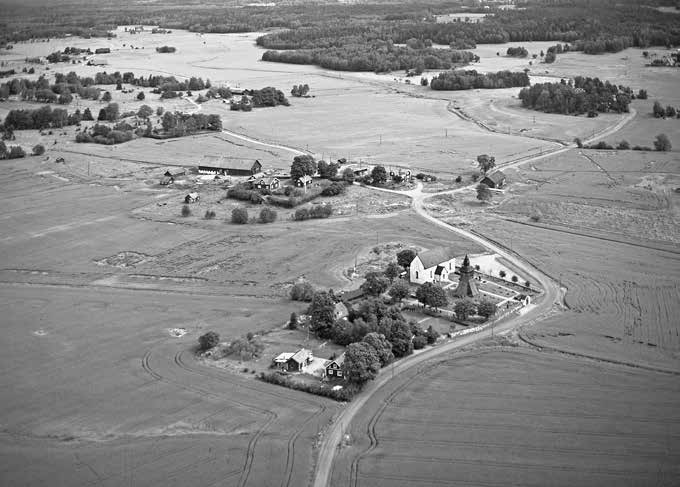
[
  {"x": 494, "y": 180},
  {"x": 432, "y": 266},
  {"x": 229, "y": 167}
]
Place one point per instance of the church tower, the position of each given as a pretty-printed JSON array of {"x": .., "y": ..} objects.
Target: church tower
[{"x": 467, "y": 288}]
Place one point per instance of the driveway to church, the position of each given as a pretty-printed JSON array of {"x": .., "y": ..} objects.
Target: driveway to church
[{"x": 552, "y": 296}]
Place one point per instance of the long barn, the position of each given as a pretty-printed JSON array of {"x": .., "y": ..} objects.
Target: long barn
[{"x": 230, "y": 167}]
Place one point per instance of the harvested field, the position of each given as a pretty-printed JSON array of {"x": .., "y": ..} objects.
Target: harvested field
[
  {"x": 622, "y": 298},
  {"x": 516, "y": 417}
]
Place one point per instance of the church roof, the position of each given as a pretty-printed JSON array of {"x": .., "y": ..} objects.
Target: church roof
[{"x": 433, "y": 257}]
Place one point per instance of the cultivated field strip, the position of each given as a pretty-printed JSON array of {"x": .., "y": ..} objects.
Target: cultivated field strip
[{"x": 522, "y": 418}]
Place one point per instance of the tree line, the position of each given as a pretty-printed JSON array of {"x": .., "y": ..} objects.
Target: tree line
[
  {"x": 583, "y": 95},
  {"x": 376, "y": 55},
  {"x": 471, "y": 79}
]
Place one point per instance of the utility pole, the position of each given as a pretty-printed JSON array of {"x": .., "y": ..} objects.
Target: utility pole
[{"x": 380, "y": 140}]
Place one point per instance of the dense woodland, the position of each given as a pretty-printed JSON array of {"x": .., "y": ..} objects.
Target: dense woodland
[
  {"x": 592, "y": 26},
  {"x": 584, "y": 95},
  {"x": 467, "y": 80}
]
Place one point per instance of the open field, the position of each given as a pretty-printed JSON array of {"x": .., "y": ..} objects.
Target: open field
[
  {"x": 622, "y": 298},
  {"x": 516, "y": 417},
  {"x": 101, "y": 391}
]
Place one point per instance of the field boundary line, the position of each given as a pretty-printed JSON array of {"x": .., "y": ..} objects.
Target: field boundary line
[{"x": 549, "y": 348}]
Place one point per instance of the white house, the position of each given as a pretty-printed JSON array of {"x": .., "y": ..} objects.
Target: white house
[{"x": 432, "y": 266}]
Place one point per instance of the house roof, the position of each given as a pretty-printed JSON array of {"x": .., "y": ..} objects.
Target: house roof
[
  {"x": 496, "y": 176},
  {"x": 341, "y": 309},
  {"x": 267, "y": 181},
  {"x": 283, "y": 357},
  {"x": 193, "y": 195},
  {"x": 306, "y": 178},
  {"x": 222, "y": 163},
  {"x": 165, "y": 179},
  {"x": 431, "y": 258},
  {"x": 338, "y": 360},
  {"x": 301, "y": 356}
]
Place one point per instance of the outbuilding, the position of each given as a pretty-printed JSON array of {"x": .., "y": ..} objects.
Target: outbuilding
[
  {"x": 494, "y": 180},
  {"x": 266, "y": 183},
  {"x": 225, "y": 167},
  {"x": 192, "y": 198}
]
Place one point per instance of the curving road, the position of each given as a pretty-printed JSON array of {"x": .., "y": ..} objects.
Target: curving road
[{"x": 552, "y": 296}]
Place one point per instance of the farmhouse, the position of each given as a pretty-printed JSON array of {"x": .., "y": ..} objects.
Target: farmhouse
[
  {"x": 192, "y": 198},
  {"x": 303, "y": 181},
  {"x": 97, "y": 62},
  {"x": 294, "y": 362},
  {"x": 494, "y": 180},
  {"x": 213, "y": 165},
  {"x": 333, "y": 367},
  {"x": 266, "y": 183},
  {"x": 102, "y": 50},
  {"x": 432, "y": 265}
]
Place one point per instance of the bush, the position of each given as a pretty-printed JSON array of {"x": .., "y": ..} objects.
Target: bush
[
  {"x": 209, "y": 214},
  {"x": 208, "y": 341},
  {"x": 623, "y": 145},
  {"x": 515, "y": 278},
  {"x": 293, "y": 321},
  {"x": 502, "y": 273},
  {"x": 662, "y": 143},
  {"x": 239, "y": 216},
  {"x": 302, "y": 291},
  {"x": 301, "y": 214},
  {"x": 579, "y": 142},
  {"x": 38, "y": 150},
  {"x": 16, "y": 152},
  {"x": 347, "y": 392},
  {"x": 246, "y": 348},
  {"x": 267, "y": 215},
  {"x": 333, "y": 189},
  {"x": 459, "y": 179},
  {"x": 186, "y": 211},
  {"x": 419, "y": 342}
]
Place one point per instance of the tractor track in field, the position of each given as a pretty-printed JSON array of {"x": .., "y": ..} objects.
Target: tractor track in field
[{"x": 292, "y": 439}]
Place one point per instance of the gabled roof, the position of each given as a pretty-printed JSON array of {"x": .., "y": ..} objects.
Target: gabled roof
[
  {"x": 431, "y": 258},
  {"x": 341, "y": 309},
  {"x": 221, "y": 162},
  {"x": 338, "y": 361},
  {"x": 305, "y": 179},
  {"x": 440, "y": 270},
  {"x": 267, "y": 181},
  {"x": 496, "y": 176},
  {"x": 301, "y": 356},
  {"x": 283, "y": 357}
]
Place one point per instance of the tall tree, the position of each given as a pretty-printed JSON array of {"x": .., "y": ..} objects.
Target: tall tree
[
  {"x": 361, "y": 363},
  {"x": 322, "y": 312},
  {"x": 431, "y": 295},
  {"x": 405, "y": 257},
  {"x": 392, "y": 271},
  {"x": 484, "y": 193},
  {"x": 486, "y": 162},
  {"x": 304, "y": 165},
  {"x": 399, "y": 290},
  {"x": 375, "y": 284},
  {"x": 379, "y": 175},
  {"x": 382, "y": 347},
  {"x": 464, "y": 308}
]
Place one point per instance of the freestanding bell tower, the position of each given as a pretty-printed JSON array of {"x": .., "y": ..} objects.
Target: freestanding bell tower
[{"x": 467, "y": 288}]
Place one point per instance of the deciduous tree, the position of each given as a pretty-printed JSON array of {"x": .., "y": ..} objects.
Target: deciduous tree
[
  {"x": 483, "y": 193},
  {"x": 464, "y": 308},
  {"x": 486, "y": 308},
  {"x": 382, "y": 347},
  {"x": 405, "y": 257},
  {"x": 361, "y": 363},
  {"x": 375, "y": 284},
  {"x": 431, "y": 295}
]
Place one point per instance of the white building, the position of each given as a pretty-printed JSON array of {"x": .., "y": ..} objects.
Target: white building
[{"x": 432, "y": 266}]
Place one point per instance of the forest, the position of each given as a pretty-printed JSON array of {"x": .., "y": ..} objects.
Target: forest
[
  {"x": 583, "y": 95},
  {"x": 470, "y": 79},
  {"x": 592, "y": 26}
]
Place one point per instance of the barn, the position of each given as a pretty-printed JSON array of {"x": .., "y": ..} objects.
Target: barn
[{"x": 227, "y": 167}]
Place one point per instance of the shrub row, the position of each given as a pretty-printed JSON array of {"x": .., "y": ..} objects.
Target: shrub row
[
  {"x": 347, "y": 392},
  {"x": 320, "y": 211}
]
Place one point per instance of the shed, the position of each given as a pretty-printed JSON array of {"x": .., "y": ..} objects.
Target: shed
[
  {"x": 167, "y": 180},
  {"x": 353, "y": 295},
  {"x": 333, "y": 367},
  {"x": 360, "y": 171},
  {"x": 494, "y": 180},
  {"x": 299, "y": 360}
]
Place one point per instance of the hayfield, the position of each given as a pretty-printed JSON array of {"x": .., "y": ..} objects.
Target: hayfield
[{"x": 516, "y": 417}]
